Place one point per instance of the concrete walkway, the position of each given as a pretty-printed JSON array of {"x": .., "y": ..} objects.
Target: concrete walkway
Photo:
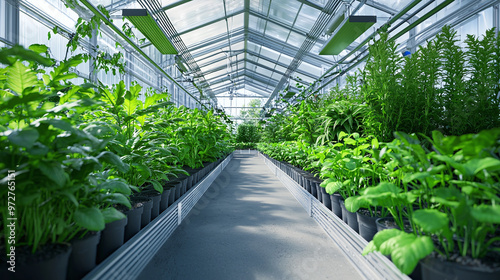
[{"x": 248, "y": 226}]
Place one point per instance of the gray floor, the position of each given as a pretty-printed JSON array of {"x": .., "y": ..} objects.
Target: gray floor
[{"x": 248, "y": 226}]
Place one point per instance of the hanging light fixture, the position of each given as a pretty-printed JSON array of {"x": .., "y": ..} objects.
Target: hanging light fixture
[{"x": 148, "y": 26}]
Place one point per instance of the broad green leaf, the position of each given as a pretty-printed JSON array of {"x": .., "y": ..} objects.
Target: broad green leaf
[
  {"x": 7, "y": 56},
  {"x": 117, "y": 198},
  {"x": 383, "y": 187},
  {"x": 114, "y": 160},
  {"x": 115, "y": 186},
  {"x": 333, "y": 187},
  {"x": 369, "y": 248},
  {"x": 89, "y": 218},
  {"x": 110, "y": 214},
  {"x": 419, "y": 176},
  {"x": 354, "y": 203},
  {"x": 382, "y": 236},
  {"x": 478, "y": 165},
  {"x": 447, "y": 196},
  {"x": 410, "y": 251},
  {"x": 375, "y": 143},
  {"x": 327, "y": 181},
  {"x": 24, "y": 138},
  {"x": 431, "y": 220},
  {"x": 350, "y": 165},
  {"x": 38, "y": 48},
  {"x": 20, "y": 77},
  {"x": 54, "y": 172},
  {"x": 486, "y": 213}
]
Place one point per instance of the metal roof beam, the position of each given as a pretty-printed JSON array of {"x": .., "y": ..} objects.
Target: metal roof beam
[
  {"x": 212, "y": 41},
  {"x": 277, "y": 22},
  {"x": 284, "y": 48},
  {"x": 281, "y": 64},
  {"x": 173, "y": 5},
  {"x": 310, "y": 4}
]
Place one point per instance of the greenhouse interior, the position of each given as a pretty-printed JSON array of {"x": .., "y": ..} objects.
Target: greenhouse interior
[{"x": 250, "y": 139}]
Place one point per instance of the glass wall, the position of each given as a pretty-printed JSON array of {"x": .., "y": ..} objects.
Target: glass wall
[{"x": 37, "y": 18}]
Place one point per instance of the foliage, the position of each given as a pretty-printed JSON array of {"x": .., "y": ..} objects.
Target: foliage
[
  {"x": 248, "y": 133},
  {"x": 251, "y": 115}
]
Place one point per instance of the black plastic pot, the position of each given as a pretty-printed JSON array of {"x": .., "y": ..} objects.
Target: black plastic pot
[
  {"x": 381, "y": 224},
  {"x": 436, "y": 269},
  {"x": 50, "y": 262},
  {"x": 325, "y": 197},
  {"x": 134, "y": 217},
  {"x": 344, "y": 211},
  {"x": 319, "y": 196},
  {"x": 178, "y": 189},
  {"x": 111, "y": 239},
  {"x": 156, "y": 197},
  {"x": 165, "y": 196},
  {"x": 189, "y": 181},
  {"x": 367, "y": 226},
  {"x": 146, "y": 214},
  {"x": 314, "y": 190},
  {"x": 184, "y": 188},
  {"x": 335, "y": 201},
  {"x": 308, "y": 186},
  {"x": 83, "y": 255}
]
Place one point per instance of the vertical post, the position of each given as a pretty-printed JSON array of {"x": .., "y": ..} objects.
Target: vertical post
[
  {"x": 12, "y": 21},
  {"x": 93, "y": 52},
  {"x": 310, "y": 206},
  {"x": 179, "y": 213},
  {"x": 496, "y": 17},
  {"x": 129, "y": 58}
]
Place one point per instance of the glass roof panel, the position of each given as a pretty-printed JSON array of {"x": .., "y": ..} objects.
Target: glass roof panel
[
  {"x": 280, "y": 69},
  {"x": 276, "y": 31},
  {"x": 285, "y": 59},
  {"x": 204, "y": 33},
  {"x": 266, "y": 63},
  {"x": 233, "y": 6},
  {"x": 235, "y": 22},
  {"x": 295, "y": 39},
  {"x": 395, "y": 4},
  {"x": 253, "y": 47},
  {"x": 216, "y": 54},
  {"x": 216, "y": 74},
  {"x": 256, "y": 23},
  {"x": 284, "y": 10},
  {"x": 195, "y": 13},
  {"x": 304, "y": 78},
  {"x": 214, "y": 65},
  {"x": 263, "y": 71},
  {"x": 307, "y": 18},
  {"x": 260, "y": 5},
  {"x": 269, "y": 53},
  {"x": 309, "y": 68},
  {"x": 276, "y": 76}
]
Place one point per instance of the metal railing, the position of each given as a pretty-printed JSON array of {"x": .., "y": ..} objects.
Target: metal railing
[
  {"x": 132, "y": 257},
  {"x": 371, "y": 266}
]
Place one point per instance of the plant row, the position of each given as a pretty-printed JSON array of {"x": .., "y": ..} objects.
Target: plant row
[
  {"x": 72, "y": 154},
  {"x": 384, "y": 146}
]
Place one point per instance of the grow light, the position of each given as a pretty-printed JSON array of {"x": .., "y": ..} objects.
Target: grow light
[
  {"x": 150, "y": 29},
  {"x": 352, "y": 28}
]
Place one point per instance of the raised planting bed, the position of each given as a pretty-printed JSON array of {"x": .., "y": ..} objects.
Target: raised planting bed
[
  {"x": 130, "y": 259},
  {"x": 372, "y": 266}
]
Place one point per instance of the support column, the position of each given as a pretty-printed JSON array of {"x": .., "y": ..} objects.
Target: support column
[
  {"x": 12, "y": 21},
  {"x": 130, "y": 67},
  {"x": 93, "y": 52}
]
